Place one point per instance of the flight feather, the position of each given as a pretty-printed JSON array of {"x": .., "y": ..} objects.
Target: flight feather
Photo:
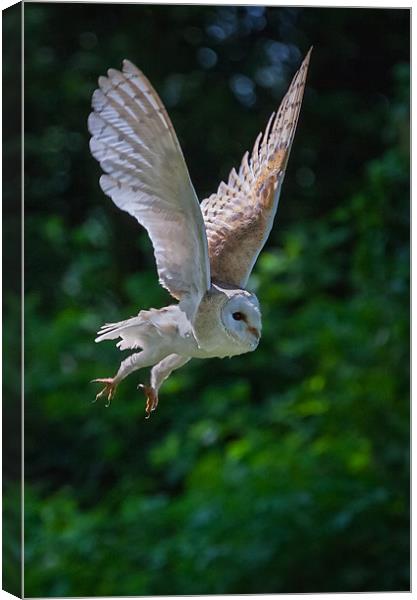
[
  {"x": 239, "y": 216},
  {"x": 145, "y": 175}
]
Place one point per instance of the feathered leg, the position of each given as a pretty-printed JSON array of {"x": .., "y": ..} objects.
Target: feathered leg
[
  {"x": 159, "y": 374},
  {"x": 136, "y": 361}
]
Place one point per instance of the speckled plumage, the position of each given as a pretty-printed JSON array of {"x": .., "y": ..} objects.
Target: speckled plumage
[
  {"x": 239, "y": 216},
  {"x": 204, "y": 253}
]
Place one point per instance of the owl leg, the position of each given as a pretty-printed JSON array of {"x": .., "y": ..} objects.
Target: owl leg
[
  {"x": 159, "y": 374},
  {"x": 136, "y": 361}
]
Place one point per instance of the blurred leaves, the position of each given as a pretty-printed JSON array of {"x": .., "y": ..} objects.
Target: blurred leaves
[{"x": 286, "y": 470}]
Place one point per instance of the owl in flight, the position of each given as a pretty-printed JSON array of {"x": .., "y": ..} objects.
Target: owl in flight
[{"x": 204, "y": 252}]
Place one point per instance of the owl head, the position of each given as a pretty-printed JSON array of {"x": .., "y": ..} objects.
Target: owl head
[{"x": 241, "y": 317}]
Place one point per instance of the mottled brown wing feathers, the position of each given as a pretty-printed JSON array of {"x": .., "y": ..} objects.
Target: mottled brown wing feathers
[{"x": 239, "y": 216}]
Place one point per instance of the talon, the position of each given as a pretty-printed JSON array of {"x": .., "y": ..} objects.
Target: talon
[
  {"x": 109, "y": 389},
  {"x": 151, "y": 399}
]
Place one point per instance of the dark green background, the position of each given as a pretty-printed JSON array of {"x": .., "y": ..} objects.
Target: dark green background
[{"x": 285, "y": 470}]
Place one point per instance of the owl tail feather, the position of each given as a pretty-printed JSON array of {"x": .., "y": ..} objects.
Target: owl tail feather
[{"x": 129, "y": 331}]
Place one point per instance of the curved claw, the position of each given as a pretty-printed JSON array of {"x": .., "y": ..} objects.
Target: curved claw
[
  {"x": 109, "y": 389},
  {"x": 151, "y": 396}
]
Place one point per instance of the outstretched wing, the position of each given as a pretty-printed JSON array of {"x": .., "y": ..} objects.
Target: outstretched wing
[
  {"x": 239, "y": 216},
  {"x": 145, "y": 175}
]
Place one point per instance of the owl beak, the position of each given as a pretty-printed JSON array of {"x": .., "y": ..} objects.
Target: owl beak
[{"x": 254, "y": 332}]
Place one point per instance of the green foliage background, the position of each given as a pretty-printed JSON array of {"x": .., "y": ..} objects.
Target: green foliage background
[{"x": 285, "y": 470}]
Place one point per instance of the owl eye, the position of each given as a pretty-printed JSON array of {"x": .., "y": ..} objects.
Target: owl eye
[{"x": 238, "y": 316}]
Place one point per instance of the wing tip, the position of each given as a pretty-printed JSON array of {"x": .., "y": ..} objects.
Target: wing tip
[
  {"x": 113, "y": 73},
  {"x": 129, "y": 67},
  {"x": 307, "y": 57}
]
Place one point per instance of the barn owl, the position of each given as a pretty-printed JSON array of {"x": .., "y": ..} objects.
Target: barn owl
[{"x": 204, "y": 252}]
